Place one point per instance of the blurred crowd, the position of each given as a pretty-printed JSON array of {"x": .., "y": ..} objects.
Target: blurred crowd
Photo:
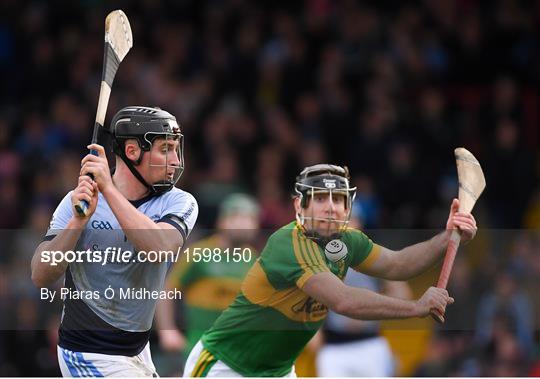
[{"x": 264, "y": 88}]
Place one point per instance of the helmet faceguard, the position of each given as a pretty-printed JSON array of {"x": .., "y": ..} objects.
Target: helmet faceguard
[
  {"x": 148, "y": 126},
  {"x": 327, "y": 179},
  {"x": 171, "y": 171}
]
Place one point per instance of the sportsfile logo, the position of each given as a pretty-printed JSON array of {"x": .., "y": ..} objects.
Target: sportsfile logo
[
  {"x": 111, "y": 255},
  {"x": 101, "y": 225}
]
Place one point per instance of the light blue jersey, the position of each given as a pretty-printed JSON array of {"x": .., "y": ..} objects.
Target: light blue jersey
[{"x": 117, "y": 325}]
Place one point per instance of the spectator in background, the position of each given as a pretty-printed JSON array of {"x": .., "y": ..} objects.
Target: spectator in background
[
  {"x": 403, "y": 207},
  {"x": 368, "y": 144},
  {"x": 10, "y": 181},
  {"x": 506, "y": 312},
  {"x": 367, "y": 204},
  {"x": 508, "y": 163}
]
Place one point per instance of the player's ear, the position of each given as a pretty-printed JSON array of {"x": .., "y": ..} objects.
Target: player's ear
[
  {"x": 296, "y": 202},
  {"x": 132, "y": 150}
]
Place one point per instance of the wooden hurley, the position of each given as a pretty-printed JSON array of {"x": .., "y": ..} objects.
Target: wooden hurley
[{"x": 471, "y": 184}]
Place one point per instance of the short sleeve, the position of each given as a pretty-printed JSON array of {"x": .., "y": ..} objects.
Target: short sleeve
[
  {"x": 290, "y": 260},
  {"x": 364, "y": 251},
  {"x": 60, "y": 217},
  {"x": 181, "y": 211}
]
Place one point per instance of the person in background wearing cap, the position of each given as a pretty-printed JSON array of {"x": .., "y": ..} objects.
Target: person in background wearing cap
[{"x": 208, "y": 283}]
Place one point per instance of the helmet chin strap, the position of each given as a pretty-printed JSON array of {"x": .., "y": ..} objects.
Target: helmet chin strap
[
  {"x": 136, "y": 173},
  {"x": 321, "y": 240},
  {"x": 131, "y": 166}
]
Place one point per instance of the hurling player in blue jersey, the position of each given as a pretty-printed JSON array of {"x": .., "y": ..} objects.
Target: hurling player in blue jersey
[{"x": 137, "y": 209}]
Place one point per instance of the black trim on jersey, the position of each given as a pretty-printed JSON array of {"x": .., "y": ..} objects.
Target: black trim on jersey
[
  {"x": 84, "y": 331},
  {"x": 141, "y": 201},
  {"x": 177, "y": 222},
  {"x": 48, "y": 238}
]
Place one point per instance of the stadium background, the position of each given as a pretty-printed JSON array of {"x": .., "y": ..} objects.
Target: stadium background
[{"x": 264, "y": 88}]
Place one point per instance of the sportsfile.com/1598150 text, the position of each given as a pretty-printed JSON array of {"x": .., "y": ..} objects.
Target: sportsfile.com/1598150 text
[{"x": 111, "y": 255}]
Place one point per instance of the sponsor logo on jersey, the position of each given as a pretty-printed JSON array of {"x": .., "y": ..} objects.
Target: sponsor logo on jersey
[
  {"x": 311, "y": 307},
  {"x": 101, "y": 225},
  {"x": 188, "y": 213}
]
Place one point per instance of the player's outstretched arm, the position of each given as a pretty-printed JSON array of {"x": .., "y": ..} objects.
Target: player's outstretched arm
[
  {"x": 409, "y": 262},
  {"x": 363, "y": 304},
  {"x": 415, "y": 259}
]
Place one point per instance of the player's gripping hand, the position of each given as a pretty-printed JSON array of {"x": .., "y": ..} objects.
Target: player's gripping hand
[
  {"x": 98, "y": 167},
  {"x": 465, "y": 222},
  {"x": 433, "y": 298},
  {"x": 86, "y": 189}
]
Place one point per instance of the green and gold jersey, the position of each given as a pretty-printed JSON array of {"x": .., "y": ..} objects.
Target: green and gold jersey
[
  {"x": 272, "y": 319},
  {"x": 208, "y": 287}
]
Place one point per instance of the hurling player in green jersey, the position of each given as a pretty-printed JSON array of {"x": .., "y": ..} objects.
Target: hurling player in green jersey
[
  {"x": 209, "y": 286},
  {"x": 286, "y": 295}
]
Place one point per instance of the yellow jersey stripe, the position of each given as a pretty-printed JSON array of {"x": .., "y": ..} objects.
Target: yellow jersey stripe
[
  {"x": 308, "y": 258},
  {"x": 305, "y": 261},
  {"x": 315, "y": 250},
  {"x": 298, "y": 252},
  {"x": 198, "y": 365},
  {"x": 303, "y": 279},
  {"x": 205, "y": 365},
  {"x": 370, "y": 259}
]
